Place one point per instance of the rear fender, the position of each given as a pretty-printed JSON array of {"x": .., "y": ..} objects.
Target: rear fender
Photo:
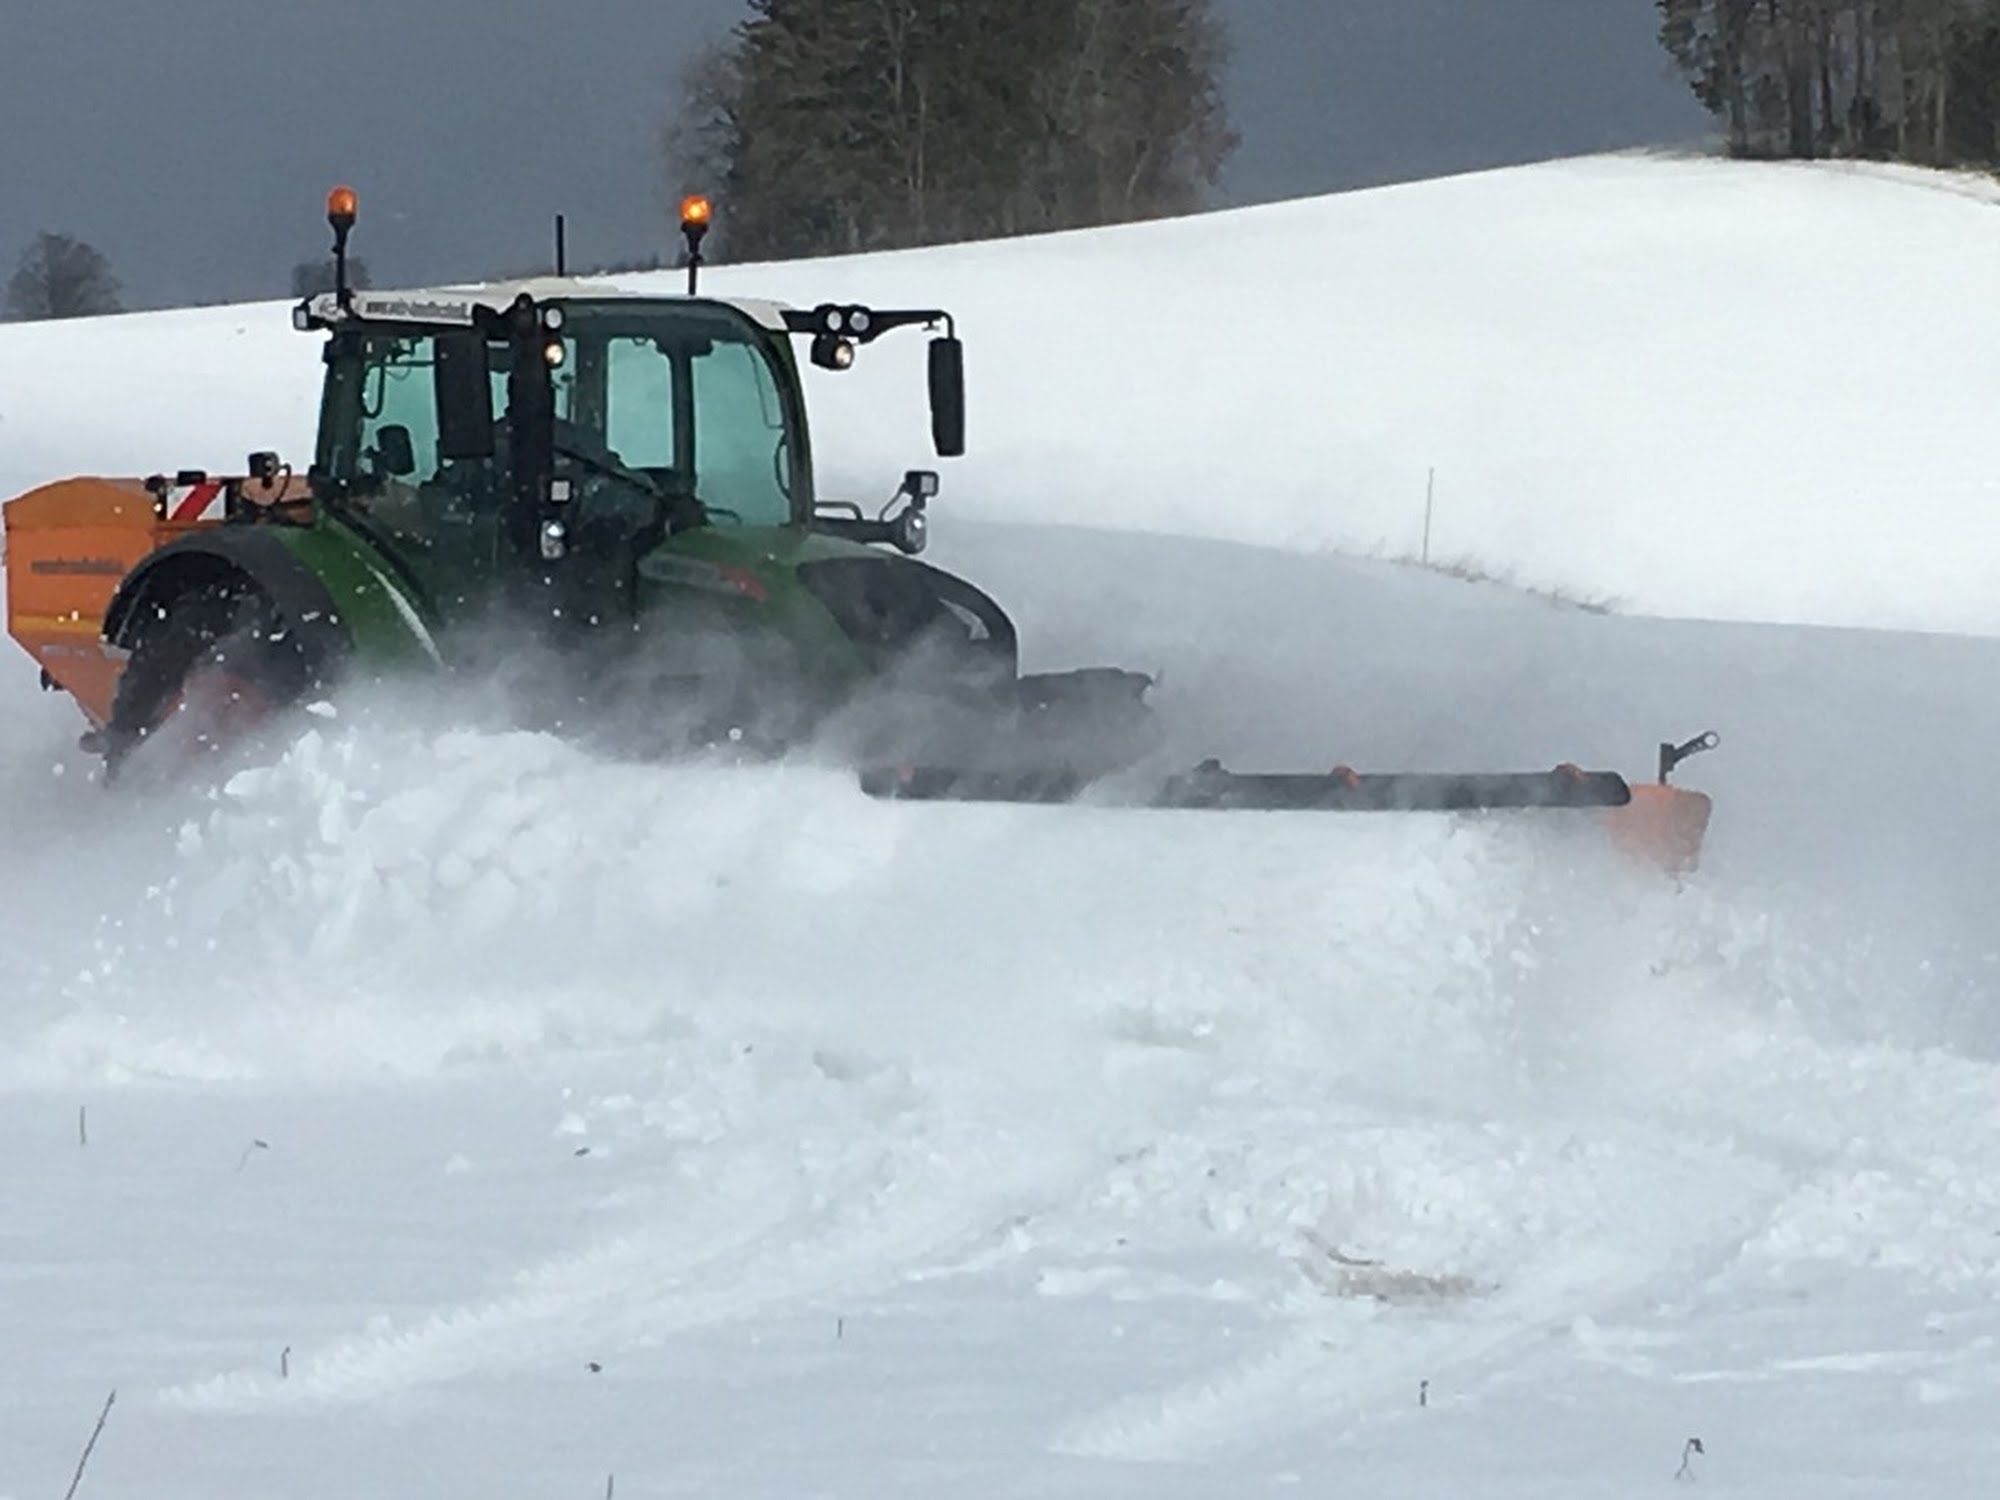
[
  {"x": 323, "y": 581},
  {"x": 246, "y": 559}
]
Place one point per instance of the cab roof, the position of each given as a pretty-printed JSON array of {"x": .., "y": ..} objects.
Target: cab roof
[{"x": 454, "y": 304}]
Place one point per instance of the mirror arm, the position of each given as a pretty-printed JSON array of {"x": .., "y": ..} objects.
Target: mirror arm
[
  {"x": 908, "y": 531},
  {"x": 814, "y": 321}
]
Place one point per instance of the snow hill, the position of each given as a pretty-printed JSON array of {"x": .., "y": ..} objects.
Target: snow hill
[
  {"x": 1691, "y": 388},
  {"x": 467, "y": 1115}
]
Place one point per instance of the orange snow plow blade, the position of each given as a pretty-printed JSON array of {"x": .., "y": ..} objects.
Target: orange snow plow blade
[
  {"x": 1658, "y": 824},
  {"x": 69, "y": 545},
  {"x": 1661, "y": 825}
]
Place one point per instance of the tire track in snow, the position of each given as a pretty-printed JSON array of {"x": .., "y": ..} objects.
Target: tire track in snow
[
  {"x": 1884, "y": 1169},
  {"x": 785, "y": 1183},
  {"x": 1342, "y": 1362},
  {"x": 630, "y": 1293}
]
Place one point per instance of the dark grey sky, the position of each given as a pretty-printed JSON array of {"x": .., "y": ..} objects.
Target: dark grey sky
[{"x": 192, "y": 140}]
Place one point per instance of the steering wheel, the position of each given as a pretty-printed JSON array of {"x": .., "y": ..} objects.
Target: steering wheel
[
  {"x": 604, "y": 462},
  {"x": 608, "y": 467}
]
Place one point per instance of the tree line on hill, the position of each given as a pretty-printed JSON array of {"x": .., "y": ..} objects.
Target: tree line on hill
[{"x": 1913, "y": 80}]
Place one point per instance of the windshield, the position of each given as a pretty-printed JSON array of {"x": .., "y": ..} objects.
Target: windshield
[
  {"x": 686, "y": 396},
  {"x": 680, "y": 400}
]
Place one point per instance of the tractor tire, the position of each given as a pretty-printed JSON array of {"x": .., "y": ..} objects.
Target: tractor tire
[{"x": 205, "y": 675}]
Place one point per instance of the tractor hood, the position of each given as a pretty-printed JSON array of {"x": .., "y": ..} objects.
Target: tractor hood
[
  {"x": 758, "y": 548},
  {"x": 832, "y": 596}
]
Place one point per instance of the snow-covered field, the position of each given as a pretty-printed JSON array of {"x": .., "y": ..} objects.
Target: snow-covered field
[{"x": 465, "y": 1115}]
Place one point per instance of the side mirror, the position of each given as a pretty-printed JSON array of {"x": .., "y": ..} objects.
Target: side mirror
[
  {"x": 948, "y": 396},
  {"x": 464, "y": 391},
  {"x": 393, "y": 448}
]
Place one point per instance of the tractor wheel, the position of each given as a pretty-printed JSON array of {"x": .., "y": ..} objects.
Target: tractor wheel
[{"x": 203, "y": 678}]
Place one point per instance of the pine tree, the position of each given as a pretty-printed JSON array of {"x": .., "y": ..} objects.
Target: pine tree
[{"x": 837, "y": 125}]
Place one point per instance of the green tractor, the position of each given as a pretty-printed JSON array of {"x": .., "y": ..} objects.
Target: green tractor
[{"x": 608, "y": 499}]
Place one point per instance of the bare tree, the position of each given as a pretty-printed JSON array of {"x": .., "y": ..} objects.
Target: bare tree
[
  {"x": 1916, "y": 78},
  {"x": 60, "y": 276},
  {"x": 312, "y": 277}
]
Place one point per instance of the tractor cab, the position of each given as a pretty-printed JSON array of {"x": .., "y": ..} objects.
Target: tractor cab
[
  {"x": 547, "y": 434},
  {"x": 474, "y": 444}
]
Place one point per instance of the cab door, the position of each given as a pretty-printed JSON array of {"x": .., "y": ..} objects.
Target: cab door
[{"x": 438, "y": 519}]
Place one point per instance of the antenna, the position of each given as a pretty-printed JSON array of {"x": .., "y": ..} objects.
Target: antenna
[{"x": 562, "y": 247}]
